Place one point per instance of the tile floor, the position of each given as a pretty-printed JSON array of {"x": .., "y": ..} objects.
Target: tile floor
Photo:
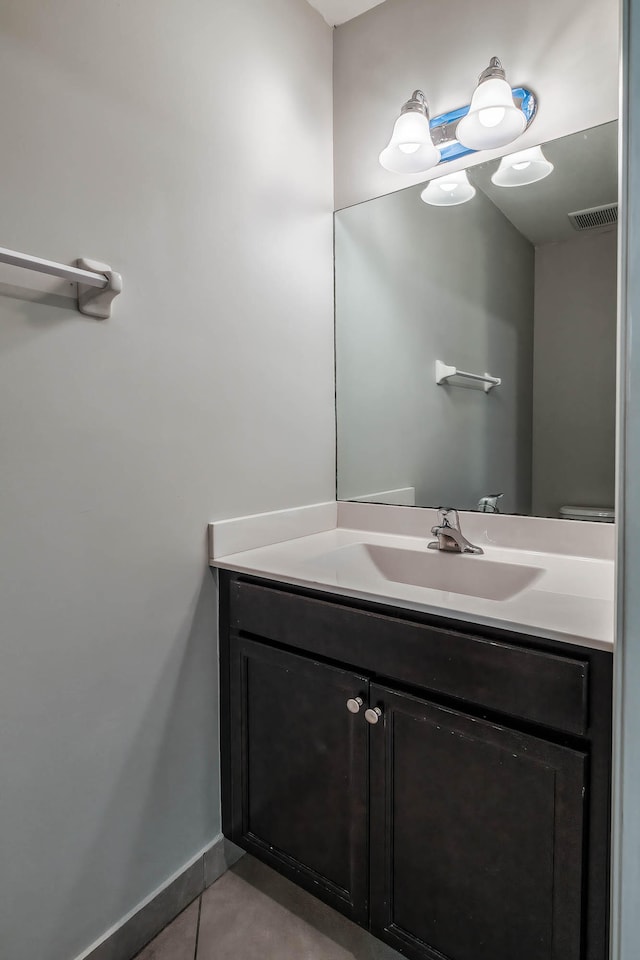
[{"x": 252, "y": 913}]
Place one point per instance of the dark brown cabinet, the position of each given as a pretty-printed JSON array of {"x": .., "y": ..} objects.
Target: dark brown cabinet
[
  {"x": 300, "y": 771},
  {"x": 455, "y": 827},
  {"x": 476, "y": 836}
]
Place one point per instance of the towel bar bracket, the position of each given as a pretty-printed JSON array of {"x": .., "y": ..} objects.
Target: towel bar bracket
[{"x": 96, "y": 301}]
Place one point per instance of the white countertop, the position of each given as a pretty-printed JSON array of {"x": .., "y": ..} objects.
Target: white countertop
[{"x": 571, "y": 599}]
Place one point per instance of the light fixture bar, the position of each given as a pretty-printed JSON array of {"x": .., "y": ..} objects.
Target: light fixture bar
[{"x": 497, "y": 116}]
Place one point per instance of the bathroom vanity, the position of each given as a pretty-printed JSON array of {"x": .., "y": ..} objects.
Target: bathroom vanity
[
  {"x": 423, "y": 740},
  {"x": 440, "y": 780}
]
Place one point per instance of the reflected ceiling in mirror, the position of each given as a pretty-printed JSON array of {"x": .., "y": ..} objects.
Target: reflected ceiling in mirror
[{"x": 514, "y": 283}]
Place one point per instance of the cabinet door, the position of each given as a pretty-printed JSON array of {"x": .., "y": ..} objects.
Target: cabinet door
[
  {"x": 300, "y": 771},
  {"x": 476, "y": 837}
]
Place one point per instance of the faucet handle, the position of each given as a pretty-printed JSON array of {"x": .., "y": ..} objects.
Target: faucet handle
[{"x": 448, "y": 517}]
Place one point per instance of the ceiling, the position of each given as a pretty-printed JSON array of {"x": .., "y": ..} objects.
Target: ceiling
[
  {"x": 339, "y": 11},
  {"x": 585, "y": 175}
]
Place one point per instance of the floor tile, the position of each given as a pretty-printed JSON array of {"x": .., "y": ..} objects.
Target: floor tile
[
  {"x": 178, "y": 940},
  {"x": 252, "y": 913}
]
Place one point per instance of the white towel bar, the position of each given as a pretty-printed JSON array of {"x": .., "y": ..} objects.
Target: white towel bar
[
  {"x": 444, "y": 372},
  {"x": 98, "y": 284}
]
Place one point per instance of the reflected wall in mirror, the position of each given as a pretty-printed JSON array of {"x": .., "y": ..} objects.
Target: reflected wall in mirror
[{"x": 509, "y": 284}]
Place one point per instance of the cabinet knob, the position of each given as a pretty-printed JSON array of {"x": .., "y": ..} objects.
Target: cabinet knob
[
  {"x": 354, "y": 704},
  {"x": 373, "y": 715}
]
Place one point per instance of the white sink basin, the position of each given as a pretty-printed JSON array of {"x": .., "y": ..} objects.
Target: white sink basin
[{"x": 471, "y": 576}]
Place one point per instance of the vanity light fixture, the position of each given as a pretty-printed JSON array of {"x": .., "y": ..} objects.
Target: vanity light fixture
[
  {"x": 411, "y": 149},
  {"x": 449, "y": 190},
  {"x": 519, "y": 169},
  {"x": 493, "y": 119},
  {"x": 497, "y": 116}
]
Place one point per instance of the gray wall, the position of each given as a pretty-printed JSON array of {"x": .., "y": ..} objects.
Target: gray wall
[
  {"x": 189, "y": 145},
  {"x": 381, "y": 56},
  {"x": 416, "y": 283},
  {"x": 574, "y": 386}
]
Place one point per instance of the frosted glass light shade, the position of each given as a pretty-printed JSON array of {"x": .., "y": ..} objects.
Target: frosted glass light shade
[
  {"x": 519, "y": 169},
  {"x": 449, "y": 191},
  {"x": 411, "y": 148},
  {"x": 493, "y": 119}
]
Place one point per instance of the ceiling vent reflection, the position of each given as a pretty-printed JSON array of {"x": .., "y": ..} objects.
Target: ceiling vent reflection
[{"x": 603, "y": 216}]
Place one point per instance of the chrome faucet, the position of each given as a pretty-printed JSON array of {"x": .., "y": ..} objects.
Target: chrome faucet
[
  {"x": 490, "y": 504},
  {"x": 449, "y": 536}
]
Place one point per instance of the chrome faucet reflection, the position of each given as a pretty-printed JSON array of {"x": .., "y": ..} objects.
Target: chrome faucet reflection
[
  {"x": 490, "y": 504},
  {"x": 449, "y": 536}
]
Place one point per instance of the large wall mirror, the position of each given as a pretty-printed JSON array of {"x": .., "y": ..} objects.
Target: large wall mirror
[{"x": 517, "y": 284}]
